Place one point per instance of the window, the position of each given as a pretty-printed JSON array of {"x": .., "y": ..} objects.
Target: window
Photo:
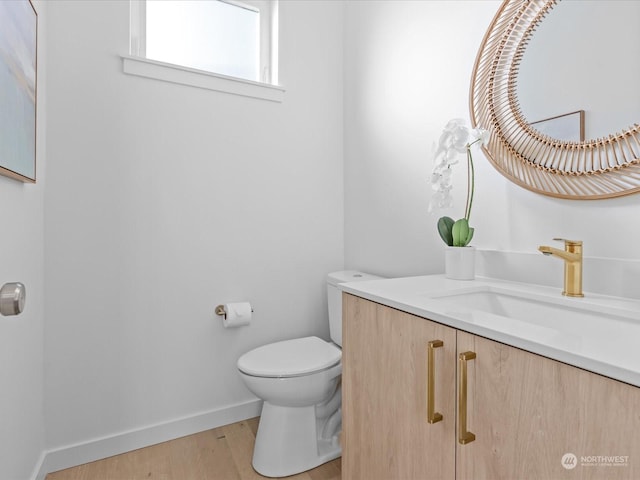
[{"x": 229, "y": 38}]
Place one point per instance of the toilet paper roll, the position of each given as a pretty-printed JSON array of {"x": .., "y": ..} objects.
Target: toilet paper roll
[{"x": 237, "y": 314}]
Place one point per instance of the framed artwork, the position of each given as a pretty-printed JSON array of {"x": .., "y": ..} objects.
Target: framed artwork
[
  {"x": 568, "y": 126},
  {"x": 18, "y": 73}
]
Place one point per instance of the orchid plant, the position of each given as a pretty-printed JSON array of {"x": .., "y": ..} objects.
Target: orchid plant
[{"x": 454, "y": 140}]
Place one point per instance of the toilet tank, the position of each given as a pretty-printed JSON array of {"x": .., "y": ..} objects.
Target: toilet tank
[{"x": 334, "y": 298}]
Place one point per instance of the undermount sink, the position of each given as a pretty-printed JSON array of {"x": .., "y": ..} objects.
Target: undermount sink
[
  {"x": 596, "y": 332},
  {"x": 559, "y": 313}
]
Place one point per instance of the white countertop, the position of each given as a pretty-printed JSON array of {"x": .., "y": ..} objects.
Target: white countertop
[{"x": 604, "y": 340}]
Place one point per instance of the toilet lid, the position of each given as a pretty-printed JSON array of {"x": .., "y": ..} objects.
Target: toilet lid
[{"x": 290, "y": 358}]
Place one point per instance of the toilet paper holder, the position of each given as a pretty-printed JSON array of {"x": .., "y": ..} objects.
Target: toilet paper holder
[{"x": 221, "y": 311}]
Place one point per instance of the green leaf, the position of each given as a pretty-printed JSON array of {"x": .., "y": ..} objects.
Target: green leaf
[
  {"x": 445, "y": 224},
  {"x": 461, "y": 233},
  {"x": 469, "y": 237}
]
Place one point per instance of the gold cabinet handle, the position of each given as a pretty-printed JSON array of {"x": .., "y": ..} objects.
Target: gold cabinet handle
[
  {"x": 432, "y": 415},
  {"x": 464, "y": 436}
]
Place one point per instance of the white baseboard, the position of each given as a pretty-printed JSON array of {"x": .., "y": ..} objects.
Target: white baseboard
[
  {"x": 37, "y": 472},
  {"x": 96, "y": 449}
]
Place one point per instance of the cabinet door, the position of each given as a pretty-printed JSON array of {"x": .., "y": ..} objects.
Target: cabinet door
[
  {"x": 385, "y": 432},
  {"x": 529, "y": 412}
]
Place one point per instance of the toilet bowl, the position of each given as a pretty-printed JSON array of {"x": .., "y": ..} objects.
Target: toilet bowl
[
  {"x": 296, "y": 432},
  {"x": 299, "y": 382}
]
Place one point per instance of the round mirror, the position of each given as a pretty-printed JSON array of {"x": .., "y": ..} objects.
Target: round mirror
[{"x": 525, "y": 90}]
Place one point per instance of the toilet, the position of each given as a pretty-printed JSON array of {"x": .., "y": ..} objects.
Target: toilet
[{"x": 299, "y": 381}]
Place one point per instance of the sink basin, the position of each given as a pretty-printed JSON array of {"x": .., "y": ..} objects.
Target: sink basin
[
  {"x": 598, "y": 332},
  {"x": 558, "y": 313}
]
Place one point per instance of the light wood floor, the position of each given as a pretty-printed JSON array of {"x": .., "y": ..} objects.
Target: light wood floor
[{"x": 223, "y": 453}]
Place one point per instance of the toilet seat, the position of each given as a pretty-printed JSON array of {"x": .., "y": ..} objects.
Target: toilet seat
[{"x": 290, "y": 358}]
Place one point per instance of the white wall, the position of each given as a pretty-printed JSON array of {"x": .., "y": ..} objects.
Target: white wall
[
  {"x": 408, "y": 69},
  {"x": 164, "y": 201},
  {"x": 21, "y": 336}
]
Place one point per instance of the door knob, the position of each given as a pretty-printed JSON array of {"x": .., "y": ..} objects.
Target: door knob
[{"x": 12, "y": 298}]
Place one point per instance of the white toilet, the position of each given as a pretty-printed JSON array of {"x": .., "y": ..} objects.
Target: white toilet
[{"x": 299, "y": 381}]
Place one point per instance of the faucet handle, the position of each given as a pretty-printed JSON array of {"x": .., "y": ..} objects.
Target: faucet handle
[{"x": 569, "y": 242}]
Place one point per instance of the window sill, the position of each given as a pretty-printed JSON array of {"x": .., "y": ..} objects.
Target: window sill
[{"x": 168, "y": 72}]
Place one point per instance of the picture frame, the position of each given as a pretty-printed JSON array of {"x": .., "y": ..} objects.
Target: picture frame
[
  {"x": 566, "y": 127},
  {"x": 18, "y": 89}
]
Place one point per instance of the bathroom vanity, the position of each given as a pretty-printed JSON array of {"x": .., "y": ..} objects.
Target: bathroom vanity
[{"x": 478, "y": 380}]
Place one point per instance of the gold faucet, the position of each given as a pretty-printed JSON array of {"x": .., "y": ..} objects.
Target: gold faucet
[{"x": 572, "y": 256}]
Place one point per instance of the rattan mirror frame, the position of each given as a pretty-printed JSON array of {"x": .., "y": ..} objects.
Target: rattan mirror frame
[{"x": 595, "y": 169}]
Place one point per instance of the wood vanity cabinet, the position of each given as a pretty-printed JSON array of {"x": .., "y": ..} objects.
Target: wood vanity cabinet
[
  {"x": 385, "y": 433},
  {"x": 526, "y": 411}
]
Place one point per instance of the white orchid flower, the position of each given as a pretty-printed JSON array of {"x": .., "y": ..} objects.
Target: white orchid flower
[
  {"x": 480, "y": 135},
  {"x": 454, "y": 140}
]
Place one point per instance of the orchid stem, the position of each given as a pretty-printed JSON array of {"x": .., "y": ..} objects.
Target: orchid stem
[{"x": 470, "y": 183}]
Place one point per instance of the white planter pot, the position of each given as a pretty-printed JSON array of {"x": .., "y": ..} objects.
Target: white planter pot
[{"x": 460, "y": 263}]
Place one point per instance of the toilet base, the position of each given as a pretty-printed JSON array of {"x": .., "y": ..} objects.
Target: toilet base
[{"x": 289, "y": 441}]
